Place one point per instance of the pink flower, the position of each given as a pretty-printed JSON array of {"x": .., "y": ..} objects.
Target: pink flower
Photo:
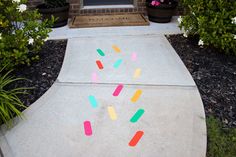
[{"x": 155, "y": 3}]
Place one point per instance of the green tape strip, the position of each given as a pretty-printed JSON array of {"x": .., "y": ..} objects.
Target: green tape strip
[
  {"x": 100, "y": 52},
  {"x": 137, "y": 115}
]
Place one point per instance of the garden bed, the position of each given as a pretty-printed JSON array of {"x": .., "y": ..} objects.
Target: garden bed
[
  {"x": 42, "y": 73},
  {"x": 214, "y": 74}
]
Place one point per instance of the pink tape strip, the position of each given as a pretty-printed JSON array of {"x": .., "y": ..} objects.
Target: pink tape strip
[
  {"x": 134, "y": 56},
  {"x": 118, "y": 90},
  {"x": 87, "y": 128},
  {"x": 94, "y": 77}
]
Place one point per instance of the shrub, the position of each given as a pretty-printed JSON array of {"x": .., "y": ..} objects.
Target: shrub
[
  {"x": 22, "y": 34},
  {"x": 221, "y": 141},
  {"x": 213, "y": 20},
  {"x": 9, "y": 101}
]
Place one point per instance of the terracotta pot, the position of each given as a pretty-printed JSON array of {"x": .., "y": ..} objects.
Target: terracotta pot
[
  {"x": 162, "y": 13},
  {"x": 60, "y": 13}
]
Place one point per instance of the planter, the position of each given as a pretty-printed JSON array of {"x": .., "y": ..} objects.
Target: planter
[
  {"x": 60, "y": 13},
  {"x": 162, "y": 13}
]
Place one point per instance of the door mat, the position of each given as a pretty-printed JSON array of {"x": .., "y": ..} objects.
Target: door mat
[{"x": 108, "y": 20}]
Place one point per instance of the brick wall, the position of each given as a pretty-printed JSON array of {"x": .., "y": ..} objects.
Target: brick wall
[{"x": 77, "y": 9}]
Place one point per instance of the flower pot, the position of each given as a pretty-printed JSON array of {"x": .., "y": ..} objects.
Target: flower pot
[
  {"x": 162, "y": 13},
  {"x": 60, "y": 13}
]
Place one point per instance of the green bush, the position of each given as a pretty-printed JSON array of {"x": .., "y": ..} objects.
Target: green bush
[
  {"x": 9, "y": 101},
  {"x": 22, "y": 33},
  {"x": 213, "y": 20},
  {"x": 221, "y": 141}
]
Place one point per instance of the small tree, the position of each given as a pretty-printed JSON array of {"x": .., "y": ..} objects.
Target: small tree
[
  {"x": 213, "y": 20},
  {"x": 22, "y": 33}
]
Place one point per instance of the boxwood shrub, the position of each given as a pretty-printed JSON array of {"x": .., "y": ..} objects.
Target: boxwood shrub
[
  {"x": 22, "y": 33},
  {"x": 214, "y": 21}
]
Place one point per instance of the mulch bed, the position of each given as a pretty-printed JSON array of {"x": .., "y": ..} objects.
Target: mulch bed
[
  {"x": 42, "y": 73},
  {"x": 214, "y": 74}
]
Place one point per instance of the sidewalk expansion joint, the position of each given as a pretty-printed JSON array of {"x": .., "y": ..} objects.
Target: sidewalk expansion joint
[{"x": 127, "y": 84}]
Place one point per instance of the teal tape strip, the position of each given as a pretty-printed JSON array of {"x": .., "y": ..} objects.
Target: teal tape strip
[
  {"x": 117, "y": 63},
  {"x": 137, "y": 116}
]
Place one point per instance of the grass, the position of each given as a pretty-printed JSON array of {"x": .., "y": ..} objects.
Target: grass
[
  {"x": 9, "y": 101},
  {"x": 221, "y": 141}
]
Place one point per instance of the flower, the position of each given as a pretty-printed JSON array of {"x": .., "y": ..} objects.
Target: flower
[
  {"x": 31, "y": 41},
  {"x": 46, "y": 39},
  {"x": 185, "y": 35},
  {"x": 233, "y": 20},
  {"x": 0, "y": 36},
  {"x": 234, "y": 36},
  {"x": 16, "y": 1},
  {"x": 159, "y": 2},
  {"x": 180, "y": 19},
  {"x": 200, "y": 43},
  {"x": 155, "y": 3},
  {"x": 22, "y": 8}
]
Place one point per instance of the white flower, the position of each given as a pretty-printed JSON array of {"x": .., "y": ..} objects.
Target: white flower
[
  {"x": 0, "y": 36},
  {"x": 185, "y": 35},
  {"x": 46, "y": 39},
  {"x": 180, "y": 19},
  {"x": 22, "y": 8},
  {"x": 200, "y": 43},
  {"x": 234, "y": 36},
  {"x": 233, "y": 20},
  {"x": 31, "y": 41},
  {"x": 16, "y": 1}
]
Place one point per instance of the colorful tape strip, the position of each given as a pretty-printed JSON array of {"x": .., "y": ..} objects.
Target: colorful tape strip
[
  {"x": 137, "y": 115},
  {"x": 112, "y": 112},
  {"x": 100, "y": 52},
  {"x": 134, "y": 57},
  {"x": 136, "y": 95},
  {"x": 87, "y": 128},
  {"x": 116, "y": 49},
  {"x": 99, "y": 64},
  {"x": 137, "y": 73},
  {"x": 94, "y": 77},
  {"x": 93, "y": 101},
  {"x": 117, "y": 63},
  {"x": 136, "y": 138},
  {"x": 118, "y": 90}
]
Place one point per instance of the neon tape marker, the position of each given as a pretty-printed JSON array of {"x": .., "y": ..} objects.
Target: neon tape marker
[
  {"x": 99, "y": 64},
  {"x": 137, "y": 115},
  {"x": 94, "y": 77},
  {"x": 136, "y": 138},
  {"x": 87, "y": 128},
  {"x": 117, "y": 63},
  {"x": 117, "y": 49},
  {"x": 134, "y": 57},
  {"x": 93, "y": 101},
  {"x": 118, "y": 90},
  {"x": 137, "y": 73},
  {"x": 112, "y": 112},
  {"x": 100, "y": 52},
  {"x": 136, "y": 96}
]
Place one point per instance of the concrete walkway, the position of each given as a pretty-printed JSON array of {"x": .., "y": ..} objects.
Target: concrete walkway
[{"x": 168, "y": 116}]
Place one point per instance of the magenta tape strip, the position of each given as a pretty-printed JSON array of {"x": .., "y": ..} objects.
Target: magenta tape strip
[
  {"x": 87, "y": 128},
  {"x": 118, "y": 90}
]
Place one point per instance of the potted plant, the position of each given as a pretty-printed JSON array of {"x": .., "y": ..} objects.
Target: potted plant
[
  {"x": 59, "y": 9},
  {"x": 161, "y": 11}
]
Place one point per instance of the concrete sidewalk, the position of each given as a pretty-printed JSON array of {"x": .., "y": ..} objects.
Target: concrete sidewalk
[{"x": 173, "y": 122}]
